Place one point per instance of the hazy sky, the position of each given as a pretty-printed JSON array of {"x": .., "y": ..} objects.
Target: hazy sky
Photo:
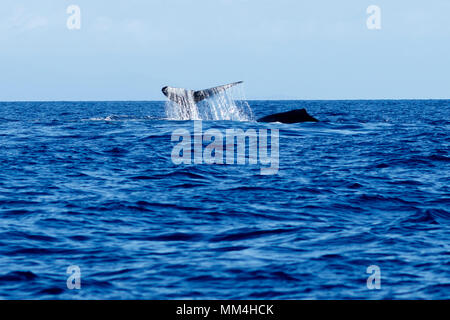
[{"x": 294, "y": 49}]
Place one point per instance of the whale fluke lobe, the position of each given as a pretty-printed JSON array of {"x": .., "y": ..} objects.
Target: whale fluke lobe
[
  {"x": 205, "y": 94},
  {"x": 294, "y": 116}
]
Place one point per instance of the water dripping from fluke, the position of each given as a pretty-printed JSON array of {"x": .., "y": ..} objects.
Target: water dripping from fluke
[{"x": 220, "y": 103}]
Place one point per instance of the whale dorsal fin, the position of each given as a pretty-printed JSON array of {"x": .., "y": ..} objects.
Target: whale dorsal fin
[{"x": 205, "y": 94}]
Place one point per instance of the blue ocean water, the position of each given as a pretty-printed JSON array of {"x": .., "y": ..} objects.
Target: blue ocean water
[{"x": 92, "y": 184}]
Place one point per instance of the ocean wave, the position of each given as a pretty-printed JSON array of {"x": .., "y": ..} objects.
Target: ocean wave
[{"x": 368, "y": 185}]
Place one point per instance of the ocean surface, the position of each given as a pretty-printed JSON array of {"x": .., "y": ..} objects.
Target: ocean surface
[{"x": 92, "y": 184}]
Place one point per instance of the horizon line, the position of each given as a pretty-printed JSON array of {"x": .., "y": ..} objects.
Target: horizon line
[{"x": 281, "y": 99}]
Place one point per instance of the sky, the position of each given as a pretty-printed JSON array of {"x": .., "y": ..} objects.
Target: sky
[{"x": 284, "y": 49}]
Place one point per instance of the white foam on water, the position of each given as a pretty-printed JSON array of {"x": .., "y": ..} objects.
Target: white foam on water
[
  {"x": 226, "y": 105},
  {"x": 119, "y": 118}
]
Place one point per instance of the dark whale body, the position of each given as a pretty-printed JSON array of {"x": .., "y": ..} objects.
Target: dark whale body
[{"x": 294, "y": 116}]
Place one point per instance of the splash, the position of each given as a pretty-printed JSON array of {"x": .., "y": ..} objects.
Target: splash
[{"x": 226, "y": 105}]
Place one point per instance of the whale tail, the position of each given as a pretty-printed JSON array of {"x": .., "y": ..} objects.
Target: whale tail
[{"x": 185, "y": 97}]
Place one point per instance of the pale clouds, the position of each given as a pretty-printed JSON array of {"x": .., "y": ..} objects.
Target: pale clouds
[
  {"x": 136, "y": 30},
  {"x": 103, "y": 24},
  {"x": 22, "y": 20}
]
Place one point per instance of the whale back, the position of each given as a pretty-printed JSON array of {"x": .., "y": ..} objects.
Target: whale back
[{"x": 294, "y": 116}]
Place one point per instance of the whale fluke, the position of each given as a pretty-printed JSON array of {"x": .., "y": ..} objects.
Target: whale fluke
[
  {"x": 294, "y": 116},
  {"x": 185, "y": 97}
]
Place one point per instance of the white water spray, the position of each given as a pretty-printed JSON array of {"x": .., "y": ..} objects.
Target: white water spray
[{"x": 229, "y": 104}]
